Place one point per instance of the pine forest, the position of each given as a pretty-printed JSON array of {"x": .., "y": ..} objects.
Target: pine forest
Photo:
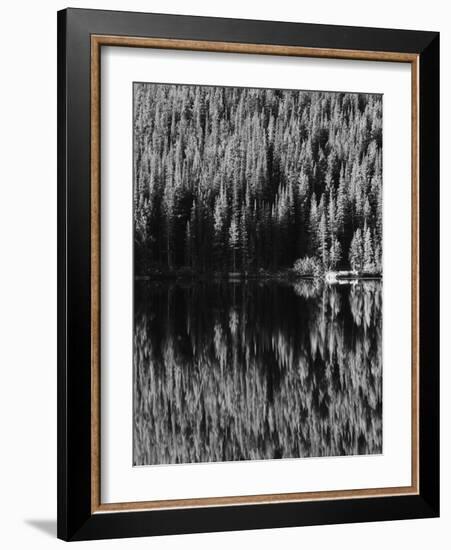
[{"x": 238, "y": 180}]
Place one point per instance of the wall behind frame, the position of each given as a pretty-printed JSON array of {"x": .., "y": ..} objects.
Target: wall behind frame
[{"x": 28, "y": 274}]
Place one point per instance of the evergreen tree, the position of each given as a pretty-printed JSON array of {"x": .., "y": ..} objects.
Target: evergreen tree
[
  {"x": 313, "y": 227},
  {"x": 220, "y": 216},
  {"x": 331, "y": 216},
  {"x": 368, "y": 263},
  {"x": 335, "y": 254},
  {"x": 323, "y": 246},
  {"x": 233, "y": 240},
  {"x": 244, "y": 239},
  {"x": 356, "y": 251}
]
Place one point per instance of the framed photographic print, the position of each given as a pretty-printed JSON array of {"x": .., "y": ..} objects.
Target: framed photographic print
[{"x": 248, "y": 274}]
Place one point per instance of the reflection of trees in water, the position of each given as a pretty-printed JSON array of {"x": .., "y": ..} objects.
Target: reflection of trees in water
[{"x": 256, "y": 370}]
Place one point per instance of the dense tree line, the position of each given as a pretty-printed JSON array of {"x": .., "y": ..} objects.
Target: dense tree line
[{"x": 234, "y": 179}]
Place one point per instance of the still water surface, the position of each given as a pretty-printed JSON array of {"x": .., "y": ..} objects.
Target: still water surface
[{"x": 256, "y": 369}]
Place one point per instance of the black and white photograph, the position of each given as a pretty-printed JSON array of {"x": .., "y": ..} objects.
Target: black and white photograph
[
  {"x": 225, "y": 275},
  {"x": 257, "y": 274}
]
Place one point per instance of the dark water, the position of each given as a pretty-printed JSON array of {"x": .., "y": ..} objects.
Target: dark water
[{"x": 256, "y": 370}]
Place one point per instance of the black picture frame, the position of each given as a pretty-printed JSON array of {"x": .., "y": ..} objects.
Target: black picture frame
[{"x": 75, "y": 518}]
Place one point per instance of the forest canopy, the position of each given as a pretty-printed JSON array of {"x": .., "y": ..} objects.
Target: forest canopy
[{"x": 243, "y": 180}]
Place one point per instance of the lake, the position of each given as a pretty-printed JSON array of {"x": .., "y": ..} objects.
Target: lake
[{"x": 256, "y": 369}]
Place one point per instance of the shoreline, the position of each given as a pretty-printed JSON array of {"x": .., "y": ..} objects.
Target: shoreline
[{"x": 336, "y": 278}]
